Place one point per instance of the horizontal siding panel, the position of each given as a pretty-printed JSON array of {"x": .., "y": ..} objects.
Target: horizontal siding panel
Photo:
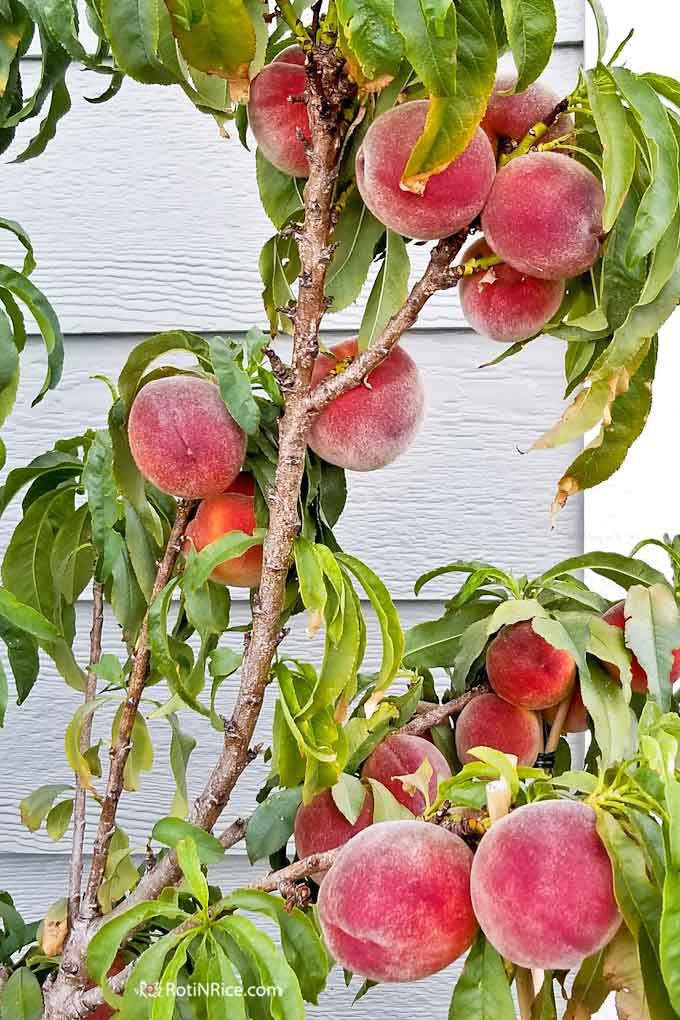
[
  {"x": 144, "y": 218},
  {"x": 463, "y": 489}
]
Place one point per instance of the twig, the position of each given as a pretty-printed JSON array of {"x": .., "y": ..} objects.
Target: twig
[
  {"x": 525, "y": 992},
  {"x": 535, "y": 133},
  {"x": 80, "y": 799},
  {"x": 558, "y": 723},
  {"x": 4, "y": 978},
  {"x": 121, "y": 749},
  {"x": 422, "y": 723},
  {"x": 313, "y": 865}
]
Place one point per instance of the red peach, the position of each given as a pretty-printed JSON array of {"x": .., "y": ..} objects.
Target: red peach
[
  {"x": 506, "y": 305},
  {"x": 401, "y": 755},
  {"x": 183, "y": 438},
  {"x": 616, "y": 617},
  {"x": 544, "y": 216},
  {"x": 577, "y": 716},
  {"x": 217, "y": 517},
  {"x": 396, "y": 906},
  {"x": 527, "y": 671},
  {"x": 489, "y": 721},
  {"x": 452, "y": 198},
  {"x": 371, "y": 425},
  {"x": 275, "y": 119},
  {"x": 542, "y": 886},
  {"x": 320, "y": 826},
  {"x": 244, "y": 485},
  {"x": 106, "y": 1012},
  {"x": 512, "y": 116}
]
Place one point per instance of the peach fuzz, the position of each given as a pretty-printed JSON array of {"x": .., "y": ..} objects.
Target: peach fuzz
[
  {"x": 488, "y": 721},
  {"x": 396, "y": 906},
  {"x": 452, "y": 198},
  {"x": 320, "y": 826},
  {"x": 504, "y": 304},
  {"x": 183, "y": 438},
  {"x": 401, "y": 755},
  {"x": 219, "y": 516},
  {"x": 544, "y": 216},
  {"x": 371, "y": 425},
  {"x": 542, "y": 886},
  {"x": 512, "y": 115},
  {"x": 527, "y": 671},
  {"x": 577, "y": 716},
  {"x": 274, "y": 118},
  {"x": 616, "y": 616}
]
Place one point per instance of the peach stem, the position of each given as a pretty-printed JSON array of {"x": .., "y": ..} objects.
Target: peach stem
[
  {"x": 557, "y": 726},
  {"x": 525, "y": 992}
]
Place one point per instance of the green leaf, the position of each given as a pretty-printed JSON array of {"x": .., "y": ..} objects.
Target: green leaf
[
  {"x": 133, "y": 30},
  {"x": 349, "y": 796},
  {"x": 589, "y": 990},
  {"x": 452, "y": 120},
  {"x": 274, "y": 969},
  {"x": 386, "y": 807},
  {"x": 26, "y": 619},
  {"x": 370, "y": 34},
  {"x": 220, "y": 39},
  {"x": 310, "y": 576},
  {"x": 148, "y": 351},
  {"x": 222, "y": 970},
  {"x": 531, "y": 26},
  {"x": 388, "y": 619},
  {"x": 234, "y": 385},
  {"x": 35, "y": 808},
  {"x": 638, "y": 900},
  {"x": 59, "y": 819},
  {"x": 597, "y": 7},
  {"x": 181, "y": 747},
  {"x": 280, "y": 194},
  {"x": 46, "y": 320},
  {"x": 618, "y": 141},
  {"x": 170, "y": 831},
  {"x": 660, "y": 201},
  {"x": 60, "y": 104},
  {"x": 141, "y": 551},
  {"x": 15, "y": 228},
  {"x": 72, "y": 556},
  {"x": 4, "y": 694},
  {"x": 147, "y": 971},
  {"x": 140, "y": 757},
  {"x": 652, "y": 633},
  {"x": 190, "y": 863},
  {"x": 623, "y": 570},
  {"x": 670, "y": 937},
  {"x": 163, "y": 1006},
  {"x": 271, "y": 824},
  {"x": 279, "y": 266},
  {"x": 72, "y": 737},
  {"x": 437, "y": 643},
  {"x": 59, "y": 465},
  {"x": 22, "y": 998},
  {"x": 388, "y": 293},
  {"x": 22, "y": 652},
  {"x": 430, "y": 36},
  {"x": 356, "y": 235},
  {"x": 300, "y": 943},
  {"x": 230, "y": 546},
  {"x": 482, "y": 990}
]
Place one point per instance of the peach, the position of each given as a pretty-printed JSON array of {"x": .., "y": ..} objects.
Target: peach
[
  {"x": 452, "y": 198},
  {"x": 106, "y": 1012},
  {"x": 218, "y": 516},
  {"x": 542, "y": 886},
  {"x": 371, "y": 425},
  {"x": 275, "y": 118},
  {"x": 504, "y": 304},
  {"x": 183, "y": 438},
  {"x": 320, "y": 826},
  {"x": 527, "y": 671},
  {"x": 544, "y": 216},
  {"x": 401, "y": 755},
  {"x": 244, "y": 485},
  {"x": 396, "y": 906},
  {"x": 489, "y": 721},
  {"x": 577, "y": 716},
  {"x": 513, "y": 116},
  {"x": 616, "y": 616}
]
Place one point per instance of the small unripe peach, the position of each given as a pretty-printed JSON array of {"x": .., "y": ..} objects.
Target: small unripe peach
[
  {"x": 183, "y": 438},
  {"x": 513, "y": 115},
  {"x": 452, "y": 198},
  {"x": 527, "y": 671},
  {"x": 402, "y": 754},
  {"x": 219, "y": 516},
  {"x": 396, "y": 906},
  {"x": 371, "y": 425},
  {"x": 544, "y": 216},
  {"x": 504, "y": 304},
  {"x": 542, "y": 886},
  {"x": 275, "y": 118},
  {"x": 488, "y": 721}
]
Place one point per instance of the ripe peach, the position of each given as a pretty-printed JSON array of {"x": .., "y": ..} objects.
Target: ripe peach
[
  {"x": 401, "y": 755},
  {"x": 616, "y": 616},
  {"x": 244, "y": 485},
  {"x": 489, "y": 721},
  {"x": 320, "y": 826},
  {"x": 512, "y": 116},
  {"x": 542, "y": 886},
  {"x": 544, "y": 216},
  {"x": 506, "y": 305},
  {"x": 275, "y": 118},
  {"x": 218, "y": 516},
  {"x": 577, "y": 716},
  {"x": 396, "y": 906},
  {"x": 452, "y": 198},
  {"x": 183, "y": 438},
  {"x": 527, "y": 671},
  {"x": 371, "y": 425}
]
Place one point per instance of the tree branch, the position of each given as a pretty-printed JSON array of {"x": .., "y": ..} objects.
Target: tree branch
[
  {"x": 80, "y": 799},
  {"x": 120, "y": 751},
  {"x": 422, "y": 723}
]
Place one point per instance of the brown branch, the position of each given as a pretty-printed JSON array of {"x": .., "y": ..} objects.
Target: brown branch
[
  {"x": 4, "y": 978},
  {"x": 298, "y": 871},
  {"x": 421, "y": 723},
  {"x": 80, "y": 799},
  {"x": 120, "y": 751}
]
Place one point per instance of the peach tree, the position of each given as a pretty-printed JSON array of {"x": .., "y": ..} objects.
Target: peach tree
[{"x": 433, "y": 802}]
